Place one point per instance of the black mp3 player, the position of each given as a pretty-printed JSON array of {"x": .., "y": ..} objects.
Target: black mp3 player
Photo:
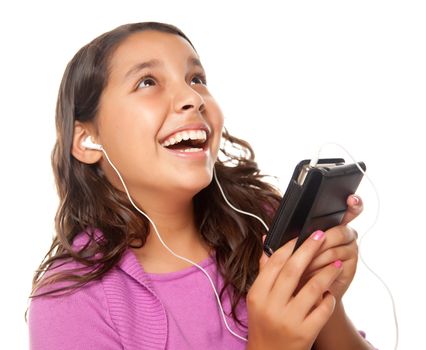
[{"x": 314, "y": 200}]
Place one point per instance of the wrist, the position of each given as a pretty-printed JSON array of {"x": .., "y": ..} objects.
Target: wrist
[{"x": 340, "y": 333}]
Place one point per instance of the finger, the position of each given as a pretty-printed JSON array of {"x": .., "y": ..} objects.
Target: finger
[
  {"x": 264, "y": 258},
  {"x": 342, "y": 253},
  {"x": 315, "y": 288},
  {"x": 355, "y": 207},
  {"x": 321, "y": 313},
  {"x": 337, "y": 236},
  {"x": 287, "y": 278},
  {"x": 269, "y": 268}
]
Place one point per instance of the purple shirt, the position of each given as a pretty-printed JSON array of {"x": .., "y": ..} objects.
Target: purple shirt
[
  {"x": 131, "y": 309},
  {"x": 193, "y": 315}
]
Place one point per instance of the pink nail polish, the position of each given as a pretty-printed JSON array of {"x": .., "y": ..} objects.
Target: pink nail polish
[
  {"x": 338, "y": 264},
  {"x": 317, "y": 235}
]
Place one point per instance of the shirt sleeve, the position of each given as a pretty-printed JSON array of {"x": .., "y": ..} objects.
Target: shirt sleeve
[
  {"x": 362, "y": 333},
  {"x": 74, "y": 321}
]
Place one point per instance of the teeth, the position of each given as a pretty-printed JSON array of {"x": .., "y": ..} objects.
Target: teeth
[
  {"x": 178, "y": 138},
  {"x": 192, "y": 149},
  {"x": 185, "y": 135}
]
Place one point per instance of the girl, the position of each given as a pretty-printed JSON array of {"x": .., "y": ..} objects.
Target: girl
[{"x": 138, "y": 139}]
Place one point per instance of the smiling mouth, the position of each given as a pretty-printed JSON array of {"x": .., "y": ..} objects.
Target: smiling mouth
[{"x": 187, "y": 141}]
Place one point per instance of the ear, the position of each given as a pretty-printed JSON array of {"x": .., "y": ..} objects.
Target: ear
[{"x": 80, "y": 152}]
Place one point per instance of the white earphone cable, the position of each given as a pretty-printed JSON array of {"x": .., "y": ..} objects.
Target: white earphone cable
[
  {"x": 313, "y": 163},
  {"x": 238, "y": 210},
  {"x": 171, "y": 251}
]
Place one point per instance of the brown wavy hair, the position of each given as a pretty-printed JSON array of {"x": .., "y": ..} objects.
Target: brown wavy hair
[{"x": 88, "y": 200}]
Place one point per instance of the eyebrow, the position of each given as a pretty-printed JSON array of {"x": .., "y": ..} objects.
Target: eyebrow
[{"x": 193, "y": 61}]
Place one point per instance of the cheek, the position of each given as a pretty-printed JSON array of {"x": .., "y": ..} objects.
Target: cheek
[
  {"x": 216, "y": 120},
  {"x": 220, "y": 121},
  {"x": 214, "y": 113},
  {"x": 129, "y": 131},
  {"x": 133, "y": 120}
]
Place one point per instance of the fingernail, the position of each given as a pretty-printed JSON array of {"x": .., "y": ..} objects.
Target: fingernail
[
  {"x": 355, "y": 200},
  {"x": 317, "y": 235},
  {"x": 338, "y": 264}
]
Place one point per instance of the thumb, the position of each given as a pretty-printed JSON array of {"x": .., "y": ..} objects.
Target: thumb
[
  {"x": 264, "y": 258},
  {"x": 355, "y": 207}
]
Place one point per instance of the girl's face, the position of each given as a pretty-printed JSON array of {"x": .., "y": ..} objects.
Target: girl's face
[{"x": 155, "y": 97}]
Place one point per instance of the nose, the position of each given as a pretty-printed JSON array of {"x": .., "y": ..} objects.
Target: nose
[{"x": 187, "y": 98}]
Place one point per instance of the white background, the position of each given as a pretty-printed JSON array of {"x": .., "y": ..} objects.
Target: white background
[{"x": 288, "y": 76}]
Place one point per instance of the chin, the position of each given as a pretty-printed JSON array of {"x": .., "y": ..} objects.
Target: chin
[{"x": 194, "y": 182}]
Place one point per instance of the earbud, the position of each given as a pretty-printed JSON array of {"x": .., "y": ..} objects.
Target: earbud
[{"x": 89, "y": 144}]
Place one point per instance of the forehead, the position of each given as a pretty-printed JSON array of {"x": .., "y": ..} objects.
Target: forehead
[{"x": 147, "y": 45}]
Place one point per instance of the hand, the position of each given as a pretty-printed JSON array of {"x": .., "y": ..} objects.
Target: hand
[
  {"x": 277, "y": 316},
  {"x": 340, "y": 244}
]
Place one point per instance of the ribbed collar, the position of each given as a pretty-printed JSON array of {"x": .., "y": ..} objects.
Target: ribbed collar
[{"x": 131, "y": 266}]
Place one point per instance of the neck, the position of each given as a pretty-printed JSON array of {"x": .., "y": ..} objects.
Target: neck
[{"x": 175, "y": 221}]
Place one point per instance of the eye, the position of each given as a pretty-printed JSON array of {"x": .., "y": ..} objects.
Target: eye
[
  {"x": 146, "y": 79},
  {"x": 201, "y": 79},
  {"x": 149, "y": 80}
]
